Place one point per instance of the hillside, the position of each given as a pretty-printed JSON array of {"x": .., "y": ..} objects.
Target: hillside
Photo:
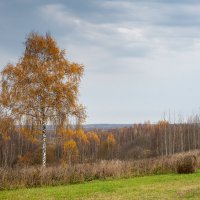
[
  {"x": 89, "y": 127},
  {"x": 105, "y": 126}
]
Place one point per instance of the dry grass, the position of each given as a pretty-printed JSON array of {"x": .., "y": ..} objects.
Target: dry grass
[{"x": 38, "y": 176}]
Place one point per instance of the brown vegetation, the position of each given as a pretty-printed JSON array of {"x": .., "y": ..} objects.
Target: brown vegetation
[
  {"x": 22, "y": 145},
  {"x": 187, "y": 164},
  {"x": 63, "y": 174}
]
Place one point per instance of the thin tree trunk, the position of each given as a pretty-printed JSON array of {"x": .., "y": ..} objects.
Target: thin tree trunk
[
  {"x": 44, "y": 145},
  {"x": 174, "y": 134},
  {"x": 165, "y": 130},
  {"x": 188, "y": 137}
]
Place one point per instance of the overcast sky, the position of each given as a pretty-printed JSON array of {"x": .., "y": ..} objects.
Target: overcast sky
[{"x": 141, "y": 57}]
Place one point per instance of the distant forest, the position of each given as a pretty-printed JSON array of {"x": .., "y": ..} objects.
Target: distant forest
[{"x": 22, "y": 145}]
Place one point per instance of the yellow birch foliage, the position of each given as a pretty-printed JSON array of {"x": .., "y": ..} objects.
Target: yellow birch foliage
[
  {"x": 81, "y": 136},
  {"x": 93, "y": 137},
  {"x": 43, "y": 84},
  {"x": 67, "y": 133},
  {"x": 6, "y": 128},
  {"x": 30, "y": 135},
  {"x": 70, "y": 151},
  {"x": 111, "y": 140}
]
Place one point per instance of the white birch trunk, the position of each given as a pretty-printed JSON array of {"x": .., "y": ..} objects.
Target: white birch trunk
[{"x": 44, "y": 145}]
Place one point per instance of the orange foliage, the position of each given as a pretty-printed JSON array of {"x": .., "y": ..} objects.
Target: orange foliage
[
  {"x": 111, "y": 140},
  {"x": 81, "y": 136},
  {"x": 70, "y": 150},
  {"x": 70, "y": 146},
  {"x": 30, "y": 135},
  {"x": 67, "y": 133},
  {"x": 43, "y": 85},
  {"x": 93, "y": 137},
  {"x": 6, "y": 127}
]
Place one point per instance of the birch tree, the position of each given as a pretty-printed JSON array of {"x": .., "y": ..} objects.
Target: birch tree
[{"x": 43, "y": 86}]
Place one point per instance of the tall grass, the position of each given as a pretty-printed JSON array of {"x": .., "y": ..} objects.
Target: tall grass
[{"x": 58, "y": 175}]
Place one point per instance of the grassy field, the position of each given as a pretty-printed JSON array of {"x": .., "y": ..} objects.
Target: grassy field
[{"x": 172, "y": 186}]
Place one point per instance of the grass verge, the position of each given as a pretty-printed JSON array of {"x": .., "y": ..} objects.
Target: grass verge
[{"x": 170, "y": 186}]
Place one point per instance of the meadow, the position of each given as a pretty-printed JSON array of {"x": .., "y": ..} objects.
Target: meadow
[{"x": 169, "y": 186}]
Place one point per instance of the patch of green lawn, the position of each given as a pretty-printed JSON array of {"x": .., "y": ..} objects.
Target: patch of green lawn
[{"x": 171, "y": 186}]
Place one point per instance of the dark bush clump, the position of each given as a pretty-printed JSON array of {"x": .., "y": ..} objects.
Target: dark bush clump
[{"x": 187, "y": 164}]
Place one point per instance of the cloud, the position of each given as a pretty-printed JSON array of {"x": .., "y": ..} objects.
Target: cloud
[
  {"x": 147, "y": 24},
  {"x": 141, "y": 56},
  {"x": 121, "y": 34},
  {"x": 58, "y": 14}
]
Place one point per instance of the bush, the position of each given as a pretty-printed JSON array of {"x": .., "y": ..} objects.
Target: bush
[{"x": 187, "y": 164}]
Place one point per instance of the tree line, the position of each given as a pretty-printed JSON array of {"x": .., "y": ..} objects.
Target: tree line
[{"x": 21, "y": 145}]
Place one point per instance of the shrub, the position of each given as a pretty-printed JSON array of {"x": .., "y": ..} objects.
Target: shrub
[{"x": 187, "y": 164}]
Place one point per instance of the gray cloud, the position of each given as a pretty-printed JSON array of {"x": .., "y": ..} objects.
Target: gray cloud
[{"x": 141, "y": 56}]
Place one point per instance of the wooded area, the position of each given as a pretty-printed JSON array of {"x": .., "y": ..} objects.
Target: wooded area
[{"x": 22, "y": 145}]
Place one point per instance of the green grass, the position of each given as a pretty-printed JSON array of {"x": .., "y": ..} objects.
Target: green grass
[{"x": 171, "y": 186}]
